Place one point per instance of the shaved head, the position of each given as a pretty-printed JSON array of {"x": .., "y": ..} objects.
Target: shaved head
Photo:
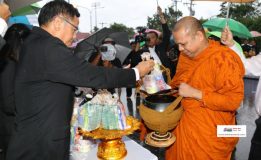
[
  {"x": 190, "y": 25},
  {"x": 189, "y": 35}
]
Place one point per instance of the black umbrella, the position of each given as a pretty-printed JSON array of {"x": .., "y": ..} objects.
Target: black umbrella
[{"x": 91, "y": 44}]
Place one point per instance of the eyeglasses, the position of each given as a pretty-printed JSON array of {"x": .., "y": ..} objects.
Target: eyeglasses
[{"x": 76, "y": 29}]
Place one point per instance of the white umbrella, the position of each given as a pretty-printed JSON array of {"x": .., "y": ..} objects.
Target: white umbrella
[{"x": 122, "y": 52}]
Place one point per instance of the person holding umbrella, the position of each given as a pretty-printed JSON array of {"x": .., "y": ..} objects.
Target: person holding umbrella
[
  {"x": 252, "y": 67},
  {"x": 210, "y": 78},
  {"x": 46, "y": 75},
  {"x": 157, "y": 48}
]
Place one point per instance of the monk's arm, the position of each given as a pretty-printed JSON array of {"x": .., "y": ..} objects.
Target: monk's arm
[
  {"x": 229, "y": 91},
  {"x": 182, "y": 68}
]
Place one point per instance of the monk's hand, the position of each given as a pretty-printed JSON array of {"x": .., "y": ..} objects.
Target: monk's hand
[
  {"x": 186, "y": 90},
  {"x": 144, "y": 67},
  {"x": 227, "y": 37}
]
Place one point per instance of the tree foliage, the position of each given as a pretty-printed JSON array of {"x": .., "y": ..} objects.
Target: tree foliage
[
  {"x": 95, "y": 29},
  {"x": 122, "y": 28},
  {"x": 246, "y": 13},
  {"x": 239, "y": 11}
]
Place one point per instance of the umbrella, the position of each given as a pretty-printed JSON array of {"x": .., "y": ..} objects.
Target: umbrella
[
  {"x": 17, "y": 4},
  {"x": 28, "y": 10},
  {"x": 218, "y": 34},
  {"x": 237, "y": 28},
  {"x": 90, "y": 45},
  {"x": 80, "y": 36},
  {"x": 122, "y": 52},
  {"x": 30, "y": 20},
  {"x": 255, "y": 34}
]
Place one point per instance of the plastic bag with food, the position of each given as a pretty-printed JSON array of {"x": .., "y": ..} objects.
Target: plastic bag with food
[{"x": 154, "y": 82}]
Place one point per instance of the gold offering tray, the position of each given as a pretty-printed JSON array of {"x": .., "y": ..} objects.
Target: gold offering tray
[
  {"x": 111, "y": 146},
  {"x": 101, "y": 133}
]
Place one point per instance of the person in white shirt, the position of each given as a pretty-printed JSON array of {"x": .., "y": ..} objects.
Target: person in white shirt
[
  {"x": 4, "y": 15},
  {"x": 252, "y": 67},
  {"x": 156, "y": 47}
]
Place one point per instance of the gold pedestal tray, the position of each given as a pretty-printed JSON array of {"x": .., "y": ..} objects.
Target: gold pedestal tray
[{"x": 112, "y": 147}]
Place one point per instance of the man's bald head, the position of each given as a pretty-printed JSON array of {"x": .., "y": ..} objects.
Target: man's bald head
[
  {"x": 189, "y": 24},
  {"x": 189, "y": 35}
]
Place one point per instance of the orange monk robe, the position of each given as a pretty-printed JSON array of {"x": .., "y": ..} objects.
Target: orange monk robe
[
  {"x": 217, "y": 72},
  {"x": 179, "y": 77}
]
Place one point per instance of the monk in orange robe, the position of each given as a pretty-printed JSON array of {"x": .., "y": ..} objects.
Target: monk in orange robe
[{"x": 210, "y": 78}]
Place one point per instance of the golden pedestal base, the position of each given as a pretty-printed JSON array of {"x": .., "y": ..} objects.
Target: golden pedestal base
[
  {"x": 160, "y": 140},
  {"x": 112, "y": 149}
]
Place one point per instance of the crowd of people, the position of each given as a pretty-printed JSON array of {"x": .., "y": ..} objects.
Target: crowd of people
[
  {"x": 43, "y": 85},
  {"x": 39, "y": 73}
]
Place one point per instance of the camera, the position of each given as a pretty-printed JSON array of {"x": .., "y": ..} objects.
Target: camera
[
  {"x": 141, "y": 37},
  {"x": 103, "y": 48}
]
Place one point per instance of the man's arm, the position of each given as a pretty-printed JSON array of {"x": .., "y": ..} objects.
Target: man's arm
[
  {"x": 166, "y": 32},
  {"x": 62, "y": 66},
  {"x": 252, "y": 65}
]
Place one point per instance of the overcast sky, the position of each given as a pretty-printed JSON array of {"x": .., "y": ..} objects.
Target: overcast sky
[{"x": 133, "y": 13}]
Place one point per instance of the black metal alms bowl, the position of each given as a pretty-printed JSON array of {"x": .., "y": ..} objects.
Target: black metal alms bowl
[{"x": 158, "y": 102}]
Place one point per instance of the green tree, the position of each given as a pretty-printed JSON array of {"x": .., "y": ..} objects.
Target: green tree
[
  {"x": 239, "y": 11},
  {"x": 223, "y": 9},
  {"x": 122, "y": 28},
  {"x": 95, "y": 29},
  {"x": 170, "y": 15}
]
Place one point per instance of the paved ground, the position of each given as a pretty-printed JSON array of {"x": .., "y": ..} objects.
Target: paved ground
[{"x": 247, "y": 116}]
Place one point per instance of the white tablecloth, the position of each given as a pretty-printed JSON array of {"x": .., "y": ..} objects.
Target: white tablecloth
[{"x": 134, "y": 152}]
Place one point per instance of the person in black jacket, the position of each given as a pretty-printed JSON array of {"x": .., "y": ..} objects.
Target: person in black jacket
[
  {"x": 9, "y": 54},
  {"x": 46, "y": 75},
  {"x": 157, "y": 48},
  {"x": 128, "y": 61}
]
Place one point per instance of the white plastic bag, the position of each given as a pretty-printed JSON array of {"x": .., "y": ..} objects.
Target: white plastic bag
[{"x": 154, "y": 82}]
